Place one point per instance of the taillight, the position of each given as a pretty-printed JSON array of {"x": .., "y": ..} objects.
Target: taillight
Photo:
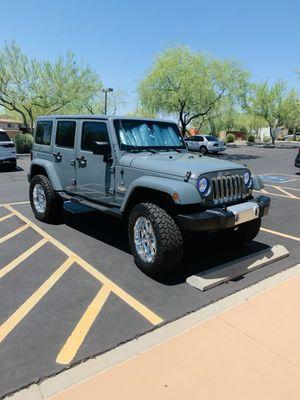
[{"x": 299, "y": 150}]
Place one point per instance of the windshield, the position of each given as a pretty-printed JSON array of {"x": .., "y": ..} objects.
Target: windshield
[
  {"x": 4, "y": 137},
  {"x": 211, "y": 138},
  {"x": 139, "y": 135}
]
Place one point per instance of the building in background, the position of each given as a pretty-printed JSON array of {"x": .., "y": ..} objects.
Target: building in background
[{"x": 12, "y": 127}]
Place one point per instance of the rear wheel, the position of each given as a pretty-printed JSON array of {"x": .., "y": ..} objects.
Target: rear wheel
[
  {"x": 155, "y": 240},
  {"x": 46, "y": 204}
]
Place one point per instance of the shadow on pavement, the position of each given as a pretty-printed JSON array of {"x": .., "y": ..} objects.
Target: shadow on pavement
[
  {"x": 7, "y": 168},
  {"x": 201, "y": 251}
]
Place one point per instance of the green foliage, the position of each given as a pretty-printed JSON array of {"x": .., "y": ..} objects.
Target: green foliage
[
  {"x": 29, "y": 87},
  {"x": 23, "y": 143},
  {"x": 230, "y": 138},
  {"x": 267, "y": 139},
  {"x": 190, "y": 85},
  {"x": 273, "y": 103},
  {"x": 251, "y": 139},
  {"x": 96, "y": 105}
]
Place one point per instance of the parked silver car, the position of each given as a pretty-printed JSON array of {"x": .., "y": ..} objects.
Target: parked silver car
[
  {"x": 205, "y": 144},
  {"x": 7, "y": 150}
]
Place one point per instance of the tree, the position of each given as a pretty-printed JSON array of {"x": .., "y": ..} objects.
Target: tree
[
  {"x": 115, "y": 101},
  {"x": 29, "y": 87},
  {"x": 273, "y": 103},
  {"x": 190, "y": 85}
]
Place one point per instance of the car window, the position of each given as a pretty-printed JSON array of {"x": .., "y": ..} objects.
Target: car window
[
  {"x": 65, "y": 134},
  {"x": 43, "y": 132},
  {"x": 93, "y": 132},
  {"x": 211, "y": 138},
  {"x": 4, "y": 137},
  {"x": 200, "y": 139}
]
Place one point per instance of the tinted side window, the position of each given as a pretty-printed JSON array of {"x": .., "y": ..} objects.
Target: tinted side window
[
  {"x": 43, "y": 132},
  {"x": 93, "y": 132},
  {"x": 65, "y": 133}
]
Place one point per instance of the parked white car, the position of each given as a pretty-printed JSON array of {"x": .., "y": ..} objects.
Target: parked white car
[
  {"x": 205, "y": 144},
  {"x": 7, "y": 150}
]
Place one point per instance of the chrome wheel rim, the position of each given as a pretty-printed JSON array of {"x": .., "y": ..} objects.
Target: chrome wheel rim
[
  {"x": 39, "y": 198},
  {"x": 144, "y": 239}
]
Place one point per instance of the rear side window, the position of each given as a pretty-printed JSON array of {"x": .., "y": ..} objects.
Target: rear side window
[
  {"x": 65, "y": 133},
  {"x": 43, "y": 132},
  {"x": 4, "y": 137},
  {"x": 93, "y": 132}
]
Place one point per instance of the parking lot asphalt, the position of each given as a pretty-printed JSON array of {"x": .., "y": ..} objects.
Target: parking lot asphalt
[{"x": 71, "y": 291}]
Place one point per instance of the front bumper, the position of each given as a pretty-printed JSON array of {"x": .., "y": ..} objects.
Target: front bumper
[
  {"x": 219, "y": 218},
  {"x": 8, "y": 160},
  {"x": 217, "y": 148}
]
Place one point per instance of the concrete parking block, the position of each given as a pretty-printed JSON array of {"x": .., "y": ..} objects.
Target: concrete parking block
[{"x": 226, "y": 272}]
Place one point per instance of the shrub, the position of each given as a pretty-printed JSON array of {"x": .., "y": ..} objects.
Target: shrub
[
  {"x": 230, "y": 138},
  {"x": 23, "y": 142},
  {"x": 267, "y": 139},
  {"x": 251, "y": 139}
]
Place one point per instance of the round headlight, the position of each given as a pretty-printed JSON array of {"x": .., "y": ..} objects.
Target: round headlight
[
  {"x": 203, "y": 185},
  {"x": 246, "y": 178}
]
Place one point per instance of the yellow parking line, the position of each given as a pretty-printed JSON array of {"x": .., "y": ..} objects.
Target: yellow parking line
[
  {"x": 280, "y": 234},
  {"x": 78, "y": 335},
  {"x": 135, "y": 304},
  {"x": 30, "y": 303},
  {"x": 14, "y": 204},
  {"x": 279, "y": 173},
  {"x": 6, "y": 217},
  {"x": 292, "y": 196},
  {"x": 14, "y": 233},
  {"x": 9, "y": 267},
  {"x": 285, "y": 187},
  {"x": 277, "y": 194}
]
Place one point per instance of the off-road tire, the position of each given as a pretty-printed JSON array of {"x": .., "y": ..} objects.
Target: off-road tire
[
  {"x": 203, "y": 149},
  {"x": 54, "y": 203},
  {"x": 168, "y": 240},
  {"x": 245, "y": 232}
]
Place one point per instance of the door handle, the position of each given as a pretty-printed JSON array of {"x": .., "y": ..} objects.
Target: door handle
[
  {"x": 57, "y": 156},
  {"x": 81, "y": 161}
]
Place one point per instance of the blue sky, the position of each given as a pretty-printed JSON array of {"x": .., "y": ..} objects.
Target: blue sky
[{"x": 119, "y": 39}]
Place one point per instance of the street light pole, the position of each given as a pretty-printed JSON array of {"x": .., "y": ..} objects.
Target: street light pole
[{"x": 105, "y": 91}]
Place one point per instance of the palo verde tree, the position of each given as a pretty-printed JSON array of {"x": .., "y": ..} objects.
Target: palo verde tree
[
  {"x": 29, "y": 87},
  {"x": 275, "y": 104},
  {"x": 190, "y": 85}
]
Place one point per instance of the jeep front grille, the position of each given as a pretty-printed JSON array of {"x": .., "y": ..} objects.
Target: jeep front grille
[{"x": 226, "y": 189}]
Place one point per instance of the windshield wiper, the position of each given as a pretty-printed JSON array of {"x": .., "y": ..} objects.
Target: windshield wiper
[{"x": 170, "y": 149}]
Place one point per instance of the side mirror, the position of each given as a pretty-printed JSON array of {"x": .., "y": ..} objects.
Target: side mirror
[{"x": 101, "y": 148}]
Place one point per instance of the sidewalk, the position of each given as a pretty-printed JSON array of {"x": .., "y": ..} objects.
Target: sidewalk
[{"x": 251, "y": 351}]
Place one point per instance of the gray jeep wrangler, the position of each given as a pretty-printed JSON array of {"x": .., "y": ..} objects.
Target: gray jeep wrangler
[{"x": 141, "y": 171}]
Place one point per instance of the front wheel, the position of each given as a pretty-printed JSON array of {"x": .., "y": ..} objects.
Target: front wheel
[
  {"x": 46, "y": 204},
  {"x": 203, "y": 150},
  {"x": 155, "y": 240}
]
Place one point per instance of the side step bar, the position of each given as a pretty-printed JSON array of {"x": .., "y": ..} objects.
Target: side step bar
[{"x": 114, "y": 211}]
